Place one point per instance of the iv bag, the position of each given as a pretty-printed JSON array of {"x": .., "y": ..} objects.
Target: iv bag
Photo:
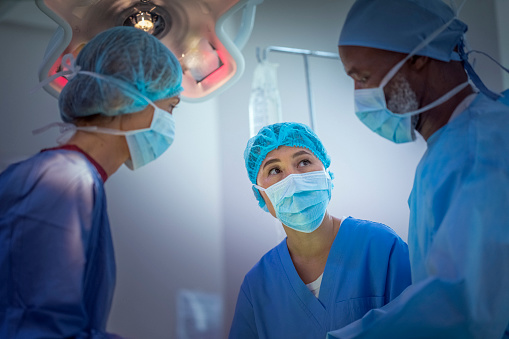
[{"x": 265, "y": 102}]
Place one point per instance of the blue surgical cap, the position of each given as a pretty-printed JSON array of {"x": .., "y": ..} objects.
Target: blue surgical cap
[
  {"x": 133, "y": 62},
  {"x": 281, "y": 134},
  {"x": 400, "y": 25}
]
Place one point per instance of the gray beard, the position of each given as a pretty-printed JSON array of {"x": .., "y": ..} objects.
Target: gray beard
[{"x": 402, "y": 98}]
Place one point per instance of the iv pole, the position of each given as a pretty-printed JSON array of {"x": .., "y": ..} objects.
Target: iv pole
[{"x": 305, "y": 53}]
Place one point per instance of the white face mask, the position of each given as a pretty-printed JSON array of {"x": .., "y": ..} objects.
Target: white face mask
[
  {"x": 300, "y": 200},
  {"x": 147, "y": 144},
  {"x": 371, "y": 107}
]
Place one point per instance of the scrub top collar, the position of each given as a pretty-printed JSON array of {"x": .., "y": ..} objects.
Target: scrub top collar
[
  {"x": 462, "y": 106},
  {"x": 458, "y": 112},
  {"x": 99, "y": 168},
  {"x": 317, "y": 307}
]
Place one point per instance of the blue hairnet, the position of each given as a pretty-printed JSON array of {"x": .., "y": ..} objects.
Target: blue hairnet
[
  {"x": 400, "y": 25},
  {"x": 133, "y": 61},
  {"x": 281, "y": 134}
]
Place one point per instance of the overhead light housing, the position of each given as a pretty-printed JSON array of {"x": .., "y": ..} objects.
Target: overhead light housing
[{"x": 192, "y": 29}]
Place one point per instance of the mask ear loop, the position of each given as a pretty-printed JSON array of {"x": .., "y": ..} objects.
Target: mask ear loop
[
  {"x": 423, "y": 44},
  {"x": 435, "y": 103},
  {"x": 70, "y": 70},
  {"x": 420, "y": 46},
  {"x": 260, "y": 188},
  {"x": 67, "y": 130}
]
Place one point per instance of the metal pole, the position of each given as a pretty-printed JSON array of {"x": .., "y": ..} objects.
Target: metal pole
[
  {"x": 310, "y": 97},
  {"x": 320, "y": 54},
  {"x": 305, "y": 53}
]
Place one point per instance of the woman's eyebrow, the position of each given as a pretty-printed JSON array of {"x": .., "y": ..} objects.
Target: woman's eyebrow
[
  {"x": 296, "y": 154},
  {"x": 271, "y": 161}
]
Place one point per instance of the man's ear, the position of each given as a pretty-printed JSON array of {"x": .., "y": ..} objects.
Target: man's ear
[{"x": 418, "y": 62}]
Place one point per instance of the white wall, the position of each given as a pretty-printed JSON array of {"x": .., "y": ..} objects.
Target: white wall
[
  {"x": 481, "y": 17},
  {"x": 373, "y": 176},
  {"x": 166, "y": 221},
  {"x": 165, "y": 218}
]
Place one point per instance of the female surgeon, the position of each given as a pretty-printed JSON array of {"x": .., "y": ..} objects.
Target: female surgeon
[
  {"x": 328, "y": 271},
  {"x": 57, "y": 264}
]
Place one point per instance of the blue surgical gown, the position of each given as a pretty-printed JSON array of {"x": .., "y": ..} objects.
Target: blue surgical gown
[
  {"x": 458, "y": 236},
  {"x": 367, "y": 266},
  {"x": 57, "y": 266}
]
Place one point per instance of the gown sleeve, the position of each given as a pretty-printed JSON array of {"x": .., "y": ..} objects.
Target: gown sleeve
[
  {"x": 399, "y": 274},
  {"x": 466, "y": 292},
  {"x": 243, "y": 324},
  {"x": 51, "y": 229}
]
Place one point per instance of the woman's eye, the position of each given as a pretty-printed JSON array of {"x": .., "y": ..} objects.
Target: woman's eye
[
  {"x": 304, "y": 162},
  {"x": 274, "y": 171},
  {"x": 361, "y": 79}
]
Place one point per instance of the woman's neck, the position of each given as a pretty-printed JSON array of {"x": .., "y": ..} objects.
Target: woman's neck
[
  {"x": 309, "y": 251},
  {"x": 110, "y": 151}
]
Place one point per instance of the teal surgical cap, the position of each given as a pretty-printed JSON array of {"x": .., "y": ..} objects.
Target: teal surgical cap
[
  {"x": 281, "y": 134},
  {"x": 131, "y": 62},
  {"x": 401, "y": 25}
]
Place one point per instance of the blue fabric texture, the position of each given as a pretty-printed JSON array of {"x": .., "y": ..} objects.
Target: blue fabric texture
[
  {"x": 367, "y": 267},
  {"x": 57, "y": 264},
  {"x": 401, "y": 25},
  {"x": 133, "y": 61},
  {"x": 504, "y": 98},
  {"x": 281, "y": 134},
  {"x": 458, "y": 236}
]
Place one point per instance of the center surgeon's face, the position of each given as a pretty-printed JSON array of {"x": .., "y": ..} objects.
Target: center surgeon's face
[{"x": 368, "y": 66}]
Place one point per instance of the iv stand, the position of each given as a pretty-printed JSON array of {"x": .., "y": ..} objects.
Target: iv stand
[{"x": 305, "y": 53}]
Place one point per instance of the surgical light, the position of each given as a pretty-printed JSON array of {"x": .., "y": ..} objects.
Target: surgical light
[
  {"x": 152, "y": 19},
  {"x": 192, "y": 29},
  {"x": 201, "y": 60},
  {"x": 141, "y": 20}
]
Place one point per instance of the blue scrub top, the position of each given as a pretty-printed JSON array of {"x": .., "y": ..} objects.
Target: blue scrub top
[
  {"x": 458, "y": 236},
  {"x": 57, "y": 265},
  {"x": 367, "y": 267}
]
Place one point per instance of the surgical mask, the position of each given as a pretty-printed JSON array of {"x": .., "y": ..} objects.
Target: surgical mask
[
  {"x": 300, "y": 200},
  {"x": 371, "y": 106},
  {"x": 145, "y": 145}
]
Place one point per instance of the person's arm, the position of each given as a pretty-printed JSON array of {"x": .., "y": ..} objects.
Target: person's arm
[
  {"x": 467, "y": 292},
  {"x": 49, "y": 241},
  {"x": 399, "y": 274},
  {"x": 243, "y": 324}
]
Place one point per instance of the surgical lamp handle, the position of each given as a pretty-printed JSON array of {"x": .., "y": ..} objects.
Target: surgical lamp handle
[{"x": 247, "y": 23}]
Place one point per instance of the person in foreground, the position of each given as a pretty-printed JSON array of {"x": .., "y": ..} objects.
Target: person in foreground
[
  {"x": 413, "y": 75},
  {"x": 328, "y": 271},
  {"x": 57, "y": 263}
]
